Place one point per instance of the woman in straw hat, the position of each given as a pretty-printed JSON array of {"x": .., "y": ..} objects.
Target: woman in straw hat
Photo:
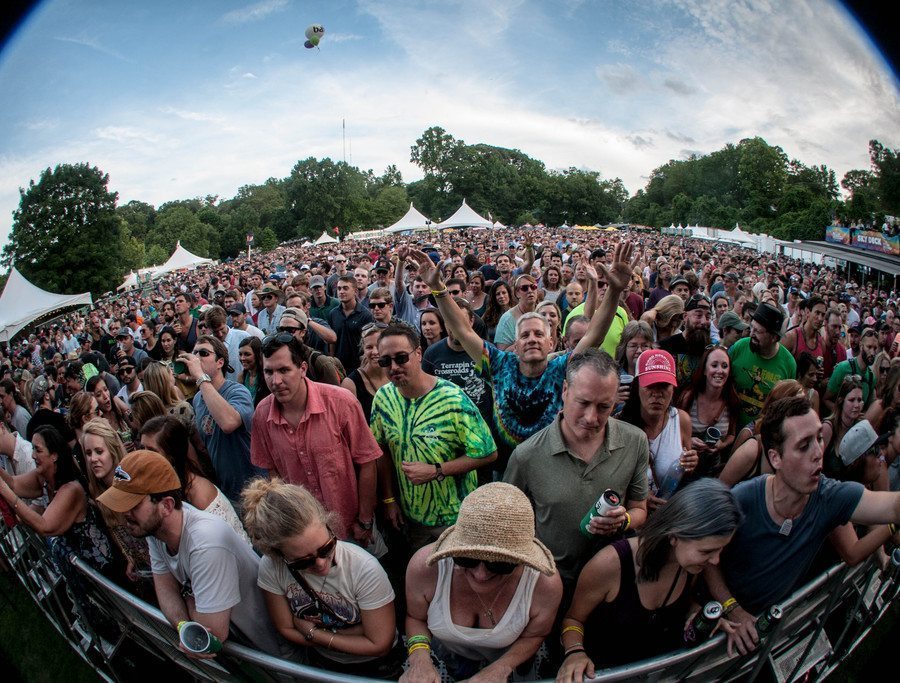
[
  {"x": 632, "y": 598},
  {"x": 483, "y": 596}
]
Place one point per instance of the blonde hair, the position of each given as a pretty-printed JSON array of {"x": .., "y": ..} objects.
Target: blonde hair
[
  {"x": 667, "y": 308},
  {"x": 101, "y": 427},
  {"x": 274, "y": 511},
  {"x": 158, "y": 379}
]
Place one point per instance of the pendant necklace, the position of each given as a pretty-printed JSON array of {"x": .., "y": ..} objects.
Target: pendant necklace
[
  {"x": 788, "y": 522},
  {"x": 489, "y": 611}
]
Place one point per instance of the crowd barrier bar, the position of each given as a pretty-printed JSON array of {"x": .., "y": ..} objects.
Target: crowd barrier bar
[{"x": 822, "y": 623}]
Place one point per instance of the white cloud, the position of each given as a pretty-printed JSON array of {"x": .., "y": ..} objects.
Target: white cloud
[{"x": 254, "y": 12}]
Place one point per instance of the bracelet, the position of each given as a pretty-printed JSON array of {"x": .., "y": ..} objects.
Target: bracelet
[
  {"x": 728, "y": 606},
  {"x": 331, "y": 640},
  {"x": 627, "y": 523},
  {"x": 413, "y": 640},
  {"x": 440, "y": 294},
  {"x": 388, "y": 501},
  {"x": 309, "y": 636},
  {"x": 573, "y": 651},
  {"x": 417, "y": 646},
  {"x": 579, "y": 629}
]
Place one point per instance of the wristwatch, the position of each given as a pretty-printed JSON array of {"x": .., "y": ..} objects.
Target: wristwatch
[
  {"x": 203, "y": 378},
  {"x": 439, "y": 474}
]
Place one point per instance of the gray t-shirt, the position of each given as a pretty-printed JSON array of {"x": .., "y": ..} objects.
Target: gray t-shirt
[
  {"x": 221, "y": 570},
  {"x": 761, "y": 566}
]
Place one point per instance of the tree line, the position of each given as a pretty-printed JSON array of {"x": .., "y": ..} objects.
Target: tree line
[{"x": 70, "y": 234}]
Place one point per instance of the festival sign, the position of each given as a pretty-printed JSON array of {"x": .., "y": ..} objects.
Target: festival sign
[{"x": 875, "y": 240}]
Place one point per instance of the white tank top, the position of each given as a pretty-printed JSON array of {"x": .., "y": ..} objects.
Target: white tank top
[
  {"x": 479, "y": 643},
  {"x": 664, "y": 474}
]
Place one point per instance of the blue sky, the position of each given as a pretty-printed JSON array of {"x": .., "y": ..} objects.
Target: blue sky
[{"x": 183, "y": 99}]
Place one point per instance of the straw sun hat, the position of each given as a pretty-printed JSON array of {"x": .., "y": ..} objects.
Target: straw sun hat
[{"x": 495, "y": 524}]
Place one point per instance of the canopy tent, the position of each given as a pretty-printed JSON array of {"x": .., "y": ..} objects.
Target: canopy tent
[
  {"x": 134, "y": 279},
  {"x": 306, "y": 244},
  {"x": 325, "y": 238},
  {"x": 412, "y": 220},
  {"x": 498, "y": 225},
  {"x": 465, "y": 217},
  {"x": 22, "y": 303},
  {"x": 180, "y": 259}
]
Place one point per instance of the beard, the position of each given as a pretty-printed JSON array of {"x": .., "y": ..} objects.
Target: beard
[
  {"x": 697, "y": 340},
  {"x": 754, "y": 345}
]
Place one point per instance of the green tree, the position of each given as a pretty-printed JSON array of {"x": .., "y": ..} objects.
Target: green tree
[
  {"x": 138, "y": 216},
  {"x": 323, "y": 194},
  {"x": 886, "y": 165},
  {"x": 66, "y": 236}
]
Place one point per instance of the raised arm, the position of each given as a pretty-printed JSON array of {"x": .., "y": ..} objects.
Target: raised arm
[
  {"x": 456, "y": 320},
  {"x": 618, "y": 275}
]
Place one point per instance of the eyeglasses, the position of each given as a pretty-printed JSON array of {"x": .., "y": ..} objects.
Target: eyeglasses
[
  {"x": 204, "y": 353},
  {"x": 527, "y": 288},
  {"x": 401, "y": 358},
  {"x": 127, "y": 368},
  {"x": 379, "y": 304},
  {"x": 373, "y": 326},
  {"x": 493, "y": 567},
  {"x": 268, "y": 296},
  {"x": 292, "y": 330},
  {"x": 308, "y": 561}
]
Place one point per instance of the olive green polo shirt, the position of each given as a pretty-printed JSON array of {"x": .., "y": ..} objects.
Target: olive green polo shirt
[{"x": 562, "y": 487}]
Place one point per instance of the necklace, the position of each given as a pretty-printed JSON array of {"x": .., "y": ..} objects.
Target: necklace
[
  {"x": 489, "y": 611},
  {"x": 788, "y": 524}
]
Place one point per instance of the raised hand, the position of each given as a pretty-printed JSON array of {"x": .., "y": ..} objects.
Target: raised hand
[
  {"x": 427, "y": 270},
  {"x": 618, "y": 274}
]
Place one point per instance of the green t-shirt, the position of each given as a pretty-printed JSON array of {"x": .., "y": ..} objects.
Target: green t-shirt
[
  {"x": 438, "y": 427},
  {"x": 851, "y": 367},
  {"x": 755, "y": 376},
  {"x": 611, "y": 341}
]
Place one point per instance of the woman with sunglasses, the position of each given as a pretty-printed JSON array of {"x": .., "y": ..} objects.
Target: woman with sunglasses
[
  {"x": 483, "y": 597},
  {"x": 369, "y": 377},
  {"x": 329, "y": 596},
  {"x": 634, "y": 596}
]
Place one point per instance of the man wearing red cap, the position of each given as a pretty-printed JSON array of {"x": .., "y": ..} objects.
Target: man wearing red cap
[{"x": 202, "y": 570}]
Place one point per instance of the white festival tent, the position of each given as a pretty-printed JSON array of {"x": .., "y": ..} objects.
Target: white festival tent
[
  {"x": 22, "y": 303},
  {"x": 325, "y": 238},
  {"x": 180, "y": 259},
  {"x": 132, "y": 280},
  {"x": 465, "y": 217},
  {"x": 412, "y": 220}
]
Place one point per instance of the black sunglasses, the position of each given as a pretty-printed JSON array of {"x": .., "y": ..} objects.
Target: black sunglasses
[
  {"x": 308, "y": 561},
  {"x": 204, "y": 353},
  {"x": 401, "y": 358},
  {"x": 379, "y": 304},
  {"x": 291, "y": 330},
  {"x": 277, "y": 338},
  {"x": 493, "y": 567}
]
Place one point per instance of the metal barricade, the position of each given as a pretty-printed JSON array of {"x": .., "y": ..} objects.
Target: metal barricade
[{"x": 822, "y": 623}]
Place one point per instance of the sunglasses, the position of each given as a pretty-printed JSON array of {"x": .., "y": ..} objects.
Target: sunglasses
[
  {"x": 204, "y": 353},
  {"x": 379, "y": 304},
  {"x": 127, "y": 368},
  {"x": 527, "y": 288},
  {"x": 268, "y": 296},
  {"x": 493, "y": 567},
  {"x": 292, "y": 330},
  {"x": 308, "y": 561},
  {"x": 401, "y": 358}
]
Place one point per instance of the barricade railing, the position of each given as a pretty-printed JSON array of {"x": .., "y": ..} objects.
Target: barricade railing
[{"x": 821, "y": 624}]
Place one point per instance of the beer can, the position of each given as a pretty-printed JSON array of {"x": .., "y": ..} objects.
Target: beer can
[
  {"x": 702, "y": 626},
  {"x": 768, "y": 620},
  {"x": 195, "y": 638},
  {"x": 610, "y": 499}
]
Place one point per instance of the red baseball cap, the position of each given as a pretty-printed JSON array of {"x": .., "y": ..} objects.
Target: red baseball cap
[{"x": 655, "y": 366}]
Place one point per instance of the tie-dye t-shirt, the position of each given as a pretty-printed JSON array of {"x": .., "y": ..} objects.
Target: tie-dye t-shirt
[
  {"x": 438, "y": 427},
  {"x": 522, "y": 405}
]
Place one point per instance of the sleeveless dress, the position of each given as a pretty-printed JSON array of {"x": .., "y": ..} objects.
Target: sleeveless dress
[
  {"x": 624, "y": 631},
  {"x": 362, "y": 393},
  {"x": 477, "y": 647}
]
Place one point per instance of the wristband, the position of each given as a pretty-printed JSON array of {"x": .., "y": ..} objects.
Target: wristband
[
  {"x": 573, "y": 651},
  {"x": 579, "y": 629},
  {"x": 388, "y": 501},
  {"x": 728, "y": 606},
  {"x": 627, "y": 523},
  {"x": 331, "y": 640},
  {"x": 309, "y": 636},
  {"x": 417, "y": 646},
  {"x": 414, "y": 640}
]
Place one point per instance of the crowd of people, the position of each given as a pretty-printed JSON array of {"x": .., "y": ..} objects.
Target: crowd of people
[{"x": 496, "y": 455}]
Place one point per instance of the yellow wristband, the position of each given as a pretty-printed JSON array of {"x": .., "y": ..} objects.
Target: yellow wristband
[
  {"x": 388, "y": 501},
  {"x": 728, "y": 605},
  {"x": 579, "y": 629},
  {"x": 627, "y": 522},
  {"x": 417, "y": 646}
]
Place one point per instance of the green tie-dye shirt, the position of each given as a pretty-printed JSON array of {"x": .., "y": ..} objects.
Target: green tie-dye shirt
[{"x": 438, "y": 427}]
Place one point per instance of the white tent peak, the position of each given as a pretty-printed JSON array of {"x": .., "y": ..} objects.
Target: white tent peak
[
  {"x": 22, "y": 303},
  {"x": 180, "y": 259},
  {"x": 325, "y": 238},
  {"x": 465, "y": 217},
  {"x": 412, "y": 220}
]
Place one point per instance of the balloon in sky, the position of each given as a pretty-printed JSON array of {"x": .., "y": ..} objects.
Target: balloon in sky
[
  {"x": 316, "y": 30},
  {"x": 308, "y": 45}
]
